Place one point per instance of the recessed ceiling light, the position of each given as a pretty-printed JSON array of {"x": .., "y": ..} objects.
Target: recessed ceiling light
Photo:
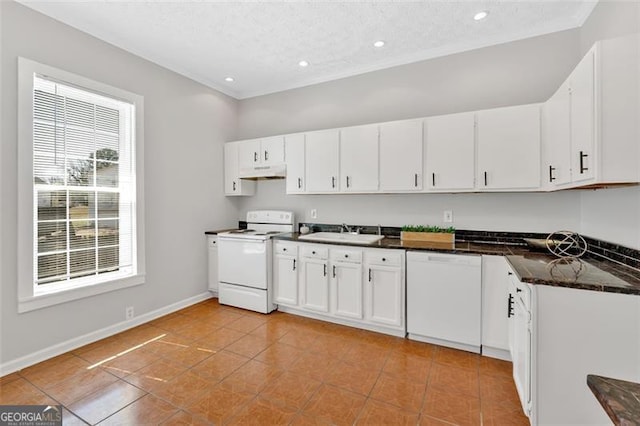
[
  {"x": 229, "y": 79},
  {"x": 379, "y": 43},
  {"x": 303, "y": 63},
  {"x": 480, "y": 15}
]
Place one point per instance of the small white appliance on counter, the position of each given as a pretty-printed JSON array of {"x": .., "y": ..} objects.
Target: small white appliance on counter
[{"x": 244, "y": 260}]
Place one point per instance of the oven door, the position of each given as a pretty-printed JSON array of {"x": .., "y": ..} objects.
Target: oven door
[{"x": 243, "y": 262}]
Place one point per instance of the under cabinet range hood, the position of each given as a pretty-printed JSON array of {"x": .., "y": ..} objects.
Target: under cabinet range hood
[{"x": 271, "y": 171}]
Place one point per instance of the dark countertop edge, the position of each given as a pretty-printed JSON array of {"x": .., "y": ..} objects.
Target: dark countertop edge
[
  {"x": 475, "y": 248},
  {"x": 394, "y": 243},
  {"x": 218, "y": 231},
  {"x": 617, "y": 397}
]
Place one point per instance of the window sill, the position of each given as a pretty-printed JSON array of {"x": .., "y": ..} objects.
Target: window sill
[{"x": 40, "y": 301}]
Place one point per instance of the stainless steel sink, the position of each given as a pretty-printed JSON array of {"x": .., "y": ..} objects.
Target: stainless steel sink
[{"x": 337, "y": 237}]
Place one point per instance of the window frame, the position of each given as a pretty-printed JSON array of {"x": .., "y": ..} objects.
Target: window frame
[{"x": 28, "y": 298}]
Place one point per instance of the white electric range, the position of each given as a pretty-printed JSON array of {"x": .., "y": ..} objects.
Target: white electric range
[{"x": 244, "y": 260}]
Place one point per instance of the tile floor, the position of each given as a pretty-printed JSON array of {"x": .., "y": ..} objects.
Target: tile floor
[{"x": 210, "y": 364}]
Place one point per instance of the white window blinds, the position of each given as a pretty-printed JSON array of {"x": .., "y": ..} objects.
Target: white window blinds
[{"x": 84, "y": 186}]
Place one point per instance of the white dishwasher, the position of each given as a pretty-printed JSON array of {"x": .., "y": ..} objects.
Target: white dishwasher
[{"x": 444, "y": 299}]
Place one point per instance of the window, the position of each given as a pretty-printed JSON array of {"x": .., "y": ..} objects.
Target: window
[{"x": 80, "y": 141}]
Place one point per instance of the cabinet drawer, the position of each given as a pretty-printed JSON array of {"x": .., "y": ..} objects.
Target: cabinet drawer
[
  {"x": 212, "y": 241},
  {"x": 315, "y": 252},
  {"x": 286, "y": 248},
  {"x": 384, "y": 257},
  {"x": 346, "y": 255}
]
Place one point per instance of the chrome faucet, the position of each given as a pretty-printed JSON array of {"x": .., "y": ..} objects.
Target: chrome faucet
[{"x": 344, "y": 227}]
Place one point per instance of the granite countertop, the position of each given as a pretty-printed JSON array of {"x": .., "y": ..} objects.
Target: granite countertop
[
  {"x": 620, "y": 399},
  {"x": 218, "y": 231},
  {"x": 530, "y": 266}
]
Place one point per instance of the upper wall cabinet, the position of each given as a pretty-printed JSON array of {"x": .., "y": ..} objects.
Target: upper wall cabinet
[
  {"x": 556, "y": 137},
  {"x": 509, "y": 148},
  {"x": 401, "y": 156},
  {"x": 602, "y": 138},
  {"x": 295, "y": 147},
  {"x": 261, "y": 152},
  {"x": 233, "y": 185},
  {"x": 359, "y": 159},
  {"x": 321, "y": 161},
  {"x": 449, "y": 154}
]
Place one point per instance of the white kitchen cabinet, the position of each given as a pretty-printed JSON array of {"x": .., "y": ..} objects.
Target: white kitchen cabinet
[
  {"x": 212, "y": 251},
  {"x": 233, "y": 185},
  {"x": 449, "y": 154},
  {"x": 261, "y": 152},
  {"x": 556, "y": 139},
  {"x": 314, "y": 278},
  {"x": 285, "y": 273},
  {"x": 401, "y": 156},
  {"x": 495, "y": 307},
  {"x": 295, "y": 160},
  {"x": 575, "y": 333},
  {"x": 589, "y": 125},
  {"x": 321, "y": 161},
  {"x": 346, "y": 282},
  {"x": 582, "y": 89},
  {"x": 508, "y": 148},
  {"x": 384, "y": 285},
  {"x": 444, "y": 299},
  {"x": 359, "y": 158}
]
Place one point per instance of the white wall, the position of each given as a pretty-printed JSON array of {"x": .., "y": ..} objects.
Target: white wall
[
  {"x": 611, "y": 214},
  {"x": 185, "y": 126},
  {"x": 514, "y": 73}
]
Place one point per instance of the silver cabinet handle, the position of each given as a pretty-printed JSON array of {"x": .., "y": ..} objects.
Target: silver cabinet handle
[
  {"x": 325, "y": 269},
  {"x": 347, "y": 181},
  {"x": 255, "y": 157},
  {"x": 551, "y": 170},
  {"x": 485, "y": 178},
  {"x": 299, "y": 183},
  {"x": 294, "y": 265},
  {"x": 234, "y": 185},
  {"x": 369, "y": 274},
  {"x": 334, "y": 271},
  {"x": 266, "y": 156},
  {"x": 433, "y": 179},
  {"x": 415, "y": 180},
  {"x": 333, "y": 181}
]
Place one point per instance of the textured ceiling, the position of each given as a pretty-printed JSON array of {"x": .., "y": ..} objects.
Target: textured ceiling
[{"x": 259, "y": 44}]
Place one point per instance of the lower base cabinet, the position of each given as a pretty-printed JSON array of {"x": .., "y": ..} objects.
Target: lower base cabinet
[
  {"x": 212, "y": 245},
  {"x": 353, "y": 286},
  {"x": 575, "y": 333}
]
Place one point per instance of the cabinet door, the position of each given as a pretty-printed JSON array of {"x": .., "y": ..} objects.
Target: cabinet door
[
  {"x": 385, "y": 294},
  {"x": 249, "y": 153},
  {"x": 315, "y": 285},
  {"x": 359, "y": 158},
  {"x": 321, "y": 161},
  {"x": 285, "y": 280},
  {"x": 583, "y": 119},
  {"x": 346, "y": 289},
  {"x": 495, "y": 297},
  {"x": 294, "y": 155},
  {"x": 401, "y": 156},
  {"x": 212, "y": 243},
  {"x": 509, "y": 148},
  {"x": 556, "y": 137},
  {"x": 233, "y": 185},
  {"x": 272, "y": 150},
  {"x": 450, "y": 151}
]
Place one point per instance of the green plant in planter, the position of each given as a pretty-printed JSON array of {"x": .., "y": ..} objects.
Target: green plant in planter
[{"x": 428, "y": 228}]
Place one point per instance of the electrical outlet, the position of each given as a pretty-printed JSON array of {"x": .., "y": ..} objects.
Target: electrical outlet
[
  {"x": 128, "y": 312},
  {"x": 314, "y": 214},
  {"x": 447, "y": 217}
]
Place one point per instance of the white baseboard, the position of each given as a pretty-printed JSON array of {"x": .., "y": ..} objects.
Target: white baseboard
[
  {"x": 370, "y": 327},
  {"x": 447, "y": 343},
  {"x": 76, "y": 342},
  {"x": 502, "y": 354}
]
